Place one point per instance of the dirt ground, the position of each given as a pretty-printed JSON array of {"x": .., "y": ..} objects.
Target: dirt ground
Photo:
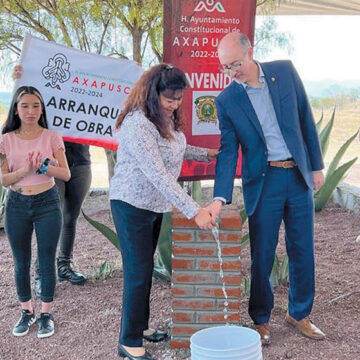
[{"x": 87, "y": 317}]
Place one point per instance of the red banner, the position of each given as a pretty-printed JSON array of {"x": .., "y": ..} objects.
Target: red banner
[{"x": 192, "y": 30}]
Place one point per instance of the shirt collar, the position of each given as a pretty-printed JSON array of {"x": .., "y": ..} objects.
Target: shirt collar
[{"x": 261, "y": 77}]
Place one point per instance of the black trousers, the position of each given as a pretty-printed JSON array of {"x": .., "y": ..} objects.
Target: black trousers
[
  {"x": 138, "y": 231},
  {"x": 72, "y": 195}
]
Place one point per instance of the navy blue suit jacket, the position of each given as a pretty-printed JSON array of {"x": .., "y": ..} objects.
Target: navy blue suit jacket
[{"x": 240, "y": 126}]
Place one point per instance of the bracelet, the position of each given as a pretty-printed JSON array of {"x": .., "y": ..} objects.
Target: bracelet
[{"x": 43, "y": 167}]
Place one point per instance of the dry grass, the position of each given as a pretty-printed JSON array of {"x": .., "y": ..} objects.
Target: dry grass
[
  {"x": 347, "y": 122},
  {"x": 99, "y": 168}
]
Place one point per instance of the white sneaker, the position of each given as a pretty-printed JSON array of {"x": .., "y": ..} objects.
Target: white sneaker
[{"x": 22, "y": 327}]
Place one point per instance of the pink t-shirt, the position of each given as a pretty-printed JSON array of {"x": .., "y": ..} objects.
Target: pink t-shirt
[{"x": 16, "y": 151}]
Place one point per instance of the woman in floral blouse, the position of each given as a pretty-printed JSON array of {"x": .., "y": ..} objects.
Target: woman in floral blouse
[{"x": 151, "y": 150}]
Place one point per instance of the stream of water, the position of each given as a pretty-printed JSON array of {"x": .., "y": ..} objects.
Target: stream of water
[{"x": 215, "y": 232}]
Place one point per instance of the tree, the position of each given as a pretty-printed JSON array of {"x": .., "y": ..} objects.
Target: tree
[
  {"x": 67, "y": 22},
  {"x": 268, "y": 38},
  {"x": 141, "y": 18},
  {"x": 267, "y": 35}
]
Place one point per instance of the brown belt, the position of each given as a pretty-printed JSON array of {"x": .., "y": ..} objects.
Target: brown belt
[{"x": 283, "y": 164}]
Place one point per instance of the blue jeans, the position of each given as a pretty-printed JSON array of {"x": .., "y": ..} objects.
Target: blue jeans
[
  {"x": 285, "y": 197},
  {"x": 138, "y": 231},
  {"x": 22, "y": 214}
]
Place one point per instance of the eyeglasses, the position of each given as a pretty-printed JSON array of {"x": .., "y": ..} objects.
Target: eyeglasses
[{"x": 227, "y": 68}]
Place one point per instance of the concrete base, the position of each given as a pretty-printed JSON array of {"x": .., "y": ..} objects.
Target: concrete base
[{"x": 347, "y": 196}]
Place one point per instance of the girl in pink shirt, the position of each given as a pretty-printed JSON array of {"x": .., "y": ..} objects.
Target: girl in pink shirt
[{"x": 31, "y": 156}]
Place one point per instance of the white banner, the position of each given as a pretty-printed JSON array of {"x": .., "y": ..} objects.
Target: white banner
[{"x": 83, "y": 92}]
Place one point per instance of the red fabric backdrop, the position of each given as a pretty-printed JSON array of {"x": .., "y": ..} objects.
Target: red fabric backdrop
[{"x": 192, "y": 29}]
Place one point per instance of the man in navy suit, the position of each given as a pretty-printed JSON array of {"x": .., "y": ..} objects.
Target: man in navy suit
[{"x": 265, "y": 110}]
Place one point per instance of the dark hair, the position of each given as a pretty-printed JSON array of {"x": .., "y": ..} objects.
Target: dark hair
[
  {"x": 145, "y": 95},
  {"x": 13, "y": 121}
]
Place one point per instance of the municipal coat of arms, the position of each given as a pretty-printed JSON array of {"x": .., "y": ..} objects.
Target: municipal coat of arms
[{"x": 206, "y": 109}]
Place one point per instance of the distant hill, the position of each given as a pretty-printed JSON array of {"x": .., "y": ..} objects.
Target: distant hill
[
  {"x": 315, "y": 89},
  {"x": 330, "y": 87}
]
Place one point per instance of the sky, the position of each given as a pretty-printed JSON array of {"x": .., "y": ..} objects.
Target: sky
[{"x": 325, "y": 46}]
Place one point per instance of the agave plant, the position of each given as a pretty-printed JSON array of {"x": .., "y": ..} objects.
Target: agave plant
[
  {"x": 335, "y": 173},
  {"x": 280, "y": 271},
  {"x": 245, "y": 240},
  {"x": 105, "y": 230},
  {"x": 279, "y": 274},
  {"x": 164, "y": 249}
]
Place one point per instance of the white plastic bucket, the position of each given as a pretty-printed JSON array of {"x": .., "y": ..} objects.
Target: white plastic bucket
[{"x": 226, "y": 343}]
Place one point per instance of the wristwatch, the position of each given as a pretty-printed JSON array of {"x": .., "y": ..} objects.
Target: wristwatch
[{"x": 43, "y": 167}]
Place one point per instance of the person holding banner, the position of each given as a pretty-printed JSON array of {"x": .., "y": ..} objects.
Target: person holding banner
[
  {"x": 72, "y": 195},
  {"x": 266, "y": 111},
  {"x": 151, "y": 150},
  {"x": 31, "y": 157}
]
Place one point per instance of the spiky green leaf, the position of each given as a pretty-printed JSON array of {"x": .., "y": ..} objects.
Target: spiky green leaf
[
  {"x": 336, "y": 159},
  {"x": 243, "y": 215},
  {"x": 319, "y": 123},
  {"x": 274, "y": 277},
  {"x": 245, "y": 241},
  {"x": 164, "y": 247},
  {"x": 324, "y": 135},
  {"x": 196, "y": 191},
  {"x": 323, "y": 195},
  {"x": 246, "y": 283},
  {"x": 106, "y": 270},
  {"x": 284, "y": 271},
  {"x": 105, "y": 230},
  {"x": 160, "y": 272}
]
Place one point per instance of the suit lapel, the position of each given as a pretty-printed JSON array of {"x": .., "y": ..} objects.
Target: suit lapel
[
  {"x": 272, "y": 83},
  {"x": 247, "y": 107}
]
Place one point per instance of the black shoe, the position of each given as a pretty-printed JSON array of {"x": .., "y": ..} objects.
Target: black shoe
[
  {"x": 46, "y": 325},
  {"x": 37, "y": 283},
  {"x": 66, "y": 273},
  {"x": 124, "y": 354},
  {"x": 22, "y": 327},
  {"x": 157, "y": 336}
]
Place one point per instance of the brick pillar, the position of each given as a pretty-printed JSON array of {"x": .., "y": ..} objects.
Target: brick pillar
[{"x": 197, "y": 297}]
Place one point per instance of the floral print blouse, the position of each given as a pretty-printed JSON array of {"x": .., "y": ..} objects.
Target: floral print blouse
[{"x": 148, "y": 166}]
